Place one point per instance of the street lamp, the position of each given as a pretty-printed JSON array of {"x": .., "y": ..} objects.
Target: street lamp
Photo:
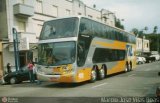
[
  {"x": 155, "y": 31},
  {"x": 143, "y": 37},
  {"x": 16, "y": 50}
]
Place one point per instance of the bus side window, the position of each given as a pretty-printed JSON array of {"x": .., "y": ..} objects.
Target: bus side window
[
  {"x": 82, "y": 27},
  {"x": 81, "y": 54}
]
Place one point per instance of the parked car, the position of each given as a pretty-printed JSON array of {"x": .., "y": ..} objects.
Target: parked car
[
  {"x": 157, "y": 56},
  {"x": 17, "y": 76},
  {"x": 149, "y": 59},
  {"x": 141, "y": 60},
  {"x": 144, "y": 59}
]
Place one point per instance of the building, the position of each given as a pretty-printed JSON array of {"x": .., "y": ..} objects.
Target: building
[
  {"x": 28, "y": 16},
  {"x": 142, "y": 46}
]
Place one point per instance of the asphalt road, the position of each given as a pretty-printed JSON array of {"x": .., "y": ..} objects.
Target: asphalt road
[{"x": 140, "y": 82}]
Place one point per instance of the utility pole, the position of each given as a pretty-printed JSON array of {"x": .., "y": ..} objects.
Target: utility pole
[
  {"x": 16, "y": 50},
  {"x": 155, "y": 31},
  {"x": 143, "y": 38}
]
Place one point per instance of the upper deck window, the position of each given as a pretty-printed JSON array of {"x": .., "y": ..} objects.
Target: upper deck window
[{"x": 59, "y": 28}]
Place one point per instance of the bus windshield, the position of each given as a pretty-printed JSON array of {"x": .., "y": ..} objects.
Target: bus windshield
[
  {"x": 59, "y": 28},
  {"x": 53, "y": 54}
]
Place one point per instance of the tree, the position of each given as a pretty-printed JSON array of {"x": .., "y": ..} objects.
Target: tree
[
  {"x": 152, "y": 39},
  {"x": 94, "y": 5},
  {"x": 155, "y": 29},
  {"x": 138, "y": 33},
  {"x": 118, "y": 24},
  {"x": 155, "y": 32},
  {"x": 145, "y": 28},
  {"x": 135, "y": 31}
]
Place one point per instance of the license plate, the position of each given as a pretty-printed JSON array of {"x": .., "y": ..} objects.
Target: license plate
[
  {"x": 56, "y": 70},
  {"x": 53, "y": 78}
]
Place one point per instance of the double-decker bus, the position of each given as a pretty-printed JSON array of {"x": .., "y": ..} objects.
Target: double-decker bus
[{"x": 77, "y": 49}]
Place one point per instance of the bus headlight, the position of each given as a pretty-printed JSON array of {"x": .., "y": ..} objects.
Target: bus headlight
[
  {"x": 65, "y": 68},
  {"x": 39, "y": 70}
]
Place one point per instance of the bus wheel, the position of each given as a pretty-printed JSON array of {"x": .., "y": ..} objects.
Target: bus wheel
[
  {"x": 127, "y": 68},
  {"x": 101, "y": 73},
  {"x": 93, "y": 75},
  {"x": 130, "y": 66}
]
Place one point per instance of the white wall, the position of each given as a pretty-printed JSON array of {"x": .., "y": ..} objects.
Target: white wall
[
  {"x": 78, "y": 7},
  {"x": 142, "y": 45},
  {"x": 138, "y": 44},
  {"x": 94, "y": 13},
  {"x": 8, "y": 57}
]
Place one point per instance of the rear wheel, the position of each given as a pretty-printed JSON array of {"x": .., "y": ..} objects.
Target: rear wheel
[
  {"x": 13, "y": 80},
  {"x": 130, "y": 67},
  {"x": 101, "y": 73}
]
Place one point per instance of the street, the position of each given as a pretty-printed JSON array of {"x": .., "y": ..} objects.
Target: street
[{"x": 141, "y": 82}]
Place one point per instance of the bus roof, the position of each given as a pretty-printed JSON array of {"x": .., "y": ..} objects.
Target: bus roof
[{"x": 90, "y": 19}]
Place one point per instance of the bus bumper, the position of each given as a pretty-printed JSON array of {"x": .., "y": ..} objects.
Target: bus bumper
[{"x": 65, "y": 78}]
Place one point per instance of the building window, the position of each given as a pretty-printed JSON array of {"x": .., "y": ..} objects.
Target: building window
[
  {"x": 90, "y": 16},
  {"x": 39, "y": 7},
  {"x": 68, "y": 12},
  {"x": 147, "y": 45},
  {"x": 21, "y": 26},
  {"x": 22, "y": 1},
  {"x": 79, "y": 13}
]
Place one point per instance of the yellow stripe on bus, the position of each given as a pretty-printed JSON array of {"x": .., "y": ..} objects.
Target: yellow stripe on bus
[
  {"x": 117, "y": 68},
  {"x": 115, "y": 44}
]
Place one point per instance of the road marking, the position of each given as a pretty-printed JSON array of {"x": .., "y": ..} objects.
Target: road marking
[
  {"x": 147, "y": 69},
  {"x": 99, "y": 85},
  {"x": 131, "y": 75}
]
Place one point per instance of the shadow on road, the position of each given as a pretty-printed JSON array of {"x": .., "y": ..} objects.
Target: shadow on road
[
  {"x": 47, "y": 85},
  {"x": 55, "y": 85},
  {"x": 65, "y": 85}
]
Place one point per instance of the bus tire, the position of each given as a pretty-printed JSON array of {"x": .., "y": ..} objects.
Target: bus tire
[
  {"x": 101, "y": 73},
  {"x": 127, "y": 67},
  {"x": 93, "y": 75},
  {"x": 130, "y": 66}
]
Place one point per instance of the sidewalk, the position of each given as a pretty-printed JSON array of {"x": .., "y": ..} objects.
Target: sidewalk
[{"x": 24, "y": 83}]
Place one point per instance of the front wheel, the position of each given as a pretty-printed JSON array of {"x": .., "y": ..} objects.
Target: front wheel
[
  {"x": 127, "y": 68},
  {"x": 13, "y": 80},
  {"x": 93, "y": 75}
]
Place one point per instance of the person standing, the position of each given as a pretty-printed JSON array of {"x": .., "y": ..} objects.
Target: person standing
[
  {"x": 31, "y": 75},
  {"x": 9, "y": 68}
]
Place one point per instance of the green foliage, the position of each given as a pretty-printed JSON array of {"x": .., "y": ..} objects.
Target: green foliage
[
  {"x": 135, "y": 31},
  {"x": 154, "y": 40},
  {"x": 118, "y": 24}
]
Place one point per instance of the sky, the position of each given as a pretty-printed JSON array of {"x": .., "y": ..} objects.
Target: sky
[{"x": 136, "y": 13}]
